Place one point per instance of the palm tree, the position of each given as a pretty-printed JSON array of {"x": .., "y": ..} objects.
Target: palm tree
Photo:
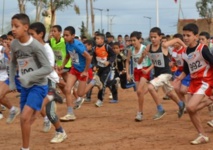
[{"x": 92, "y": 16}]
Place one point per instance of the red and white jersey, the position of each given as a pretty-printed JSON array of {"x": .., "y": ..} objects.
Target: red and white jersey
[
  {"x": 199, "y": 68},
  {"x": 177, "y": 57}
]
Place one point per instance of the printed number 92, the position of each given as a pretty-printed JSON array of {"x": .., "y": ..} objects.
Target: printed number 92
[{"x": 195, "y": 65}]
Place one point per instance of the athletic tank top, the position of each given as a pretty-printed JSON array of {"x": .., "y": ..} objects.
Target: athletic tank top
[
  {"x": 136, "y": 56},
  {"x": 101, "y": 55},
  {"x": 177, "y": 57},
  {"x": 198, "y": 66},
  {"x": 160, "y": 61},
  {"x": 59, "y": 50}
]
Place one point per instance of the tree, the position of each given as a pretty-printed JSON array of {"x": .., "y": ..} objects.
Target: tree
[
  {"x": 205, "y": 9},
  {"x": 21, "y": 5},
  {"x": 40, "y": 5},
  {"x": 60, "y": 5},
  {"x": 83, "y": 30}
]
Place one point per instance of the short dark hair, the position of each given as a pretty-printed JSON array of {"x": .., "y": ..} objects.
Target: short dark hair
[
  {"x": 136, "y": 34},
  {"x": 4, "y": 36},
  {"x": 83, "y": 37},
  {"x": 38, "y": 27},
  {"x": 126, "y": 35},
  {"x": 116, "y": 44},
  {"x": 10, "y": 33},
  {"x": 70, "y": 29},
  {"x": 178, "y": 35},
  {"x": 206, "y": 34},
  {"x": 101, "y": 35},
  {"x": 119, "y": 35},
  {"x": 58, "y": 27},
  {"x": 88, "y": 42},
  {"x": 23, "y": 18},
  {"x": 191, "y": 27},
  {"x": 156, "y": 30}
]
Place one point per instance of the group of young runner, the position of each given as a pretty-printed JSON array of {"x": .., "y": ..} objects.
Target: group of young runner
[{"x": 35, "y": 68}]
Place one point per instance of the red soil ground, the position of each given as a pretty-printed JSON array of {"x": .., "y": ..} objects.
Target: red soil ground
[{"x": 112, "y": 127}]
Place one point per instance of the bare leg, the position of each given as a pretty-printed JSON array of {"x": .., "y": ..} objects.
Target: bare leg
[
  {"x": 192, "y": 109},
  {"x": 25, "y": 120}
]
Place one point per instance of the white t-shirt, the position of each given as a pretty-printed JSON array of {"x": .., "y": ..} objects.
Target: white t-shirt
[{"x": 51, "y": 57}]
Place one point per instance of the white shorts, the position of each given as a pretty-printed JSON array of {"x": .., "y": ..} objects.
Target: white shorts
[
  {"x": 164, "y": 81},
  {"x": 3, "y": 75},
  {"x": 53, "y": 76}
]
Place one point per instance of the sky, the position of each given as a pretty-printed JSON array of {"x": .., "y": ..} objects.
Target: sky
[{"x": 126, "y": 15}]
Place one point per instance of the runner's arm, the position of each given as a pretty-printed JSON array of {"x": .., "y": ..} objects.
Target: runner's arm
[{"x": 207, "y": 55}]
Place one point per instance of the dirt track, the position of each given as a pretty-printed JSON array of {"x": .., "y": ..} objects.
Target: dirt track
[{"x": 112, "y": 127}]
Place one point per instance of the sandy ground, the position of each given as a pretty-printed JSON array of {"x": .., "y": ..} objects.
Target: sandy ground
[{"x": 112, "y": 127}]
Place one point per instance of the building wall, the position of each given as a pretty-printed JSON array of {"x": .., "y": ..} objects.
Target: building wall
[{"x": 203, "y": 25}]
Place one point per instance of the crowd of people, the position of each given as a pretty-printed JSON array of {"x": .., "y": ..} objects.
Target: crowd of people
[{"x": 37, "y": 69}]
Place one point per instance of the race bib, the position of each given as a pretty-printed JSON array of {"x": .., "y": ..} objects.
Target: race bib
[
  {"x": 101, "y": 61},
  {"x": 26, "y": 65},
  {"x": 136, "y": 59},
  {"x": 58, "y": 55},
  {"x": 74, "y": 56},
  {"x": 157, "y": 59}
]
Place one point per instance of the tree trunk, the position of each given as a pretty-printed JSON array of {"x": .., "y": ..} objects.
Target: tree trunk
[
  {"x": 87, "y": 15},
  {"x": 53, "y": 13},
  {"x": 21, "y": 5},
  {"x": 38, "y": 10},
  {"x": 92, "y": 16}
]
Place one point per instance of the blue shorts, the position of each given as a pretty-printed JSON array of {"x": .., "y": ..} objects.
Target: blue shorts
[
  {"x": 33, "y": 96},
  {"x": 186, "y": 80},
  {"x": 17, "y": 82}
]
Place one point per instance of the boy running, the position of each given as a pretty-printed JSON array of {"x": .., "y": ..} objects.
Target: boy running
[
  {"x": 38, "y": 31},
  {"x": 177, "y": 60},
  {"x": 197, "y": 63},
  {"x": 104, "y": 58},
  {"x": 159, "y": 55},
  {"x": 81, "y": 63},
  {"x": 142, "y": 70},
  {"x": 29, "y": 55}
]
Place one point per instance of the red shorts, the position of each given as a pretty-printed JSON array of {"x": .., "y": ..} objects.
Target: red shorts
[
  {"x": 76, "y": 73},
  {"x": 200, "y": 87},
  {"x": 138, "y": 74},
  {"x": 90, "y": 74}
]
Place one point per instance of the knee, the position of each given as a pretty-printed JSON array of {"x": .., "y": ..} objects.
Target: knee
[
  {"x": 190, "y": 109},
  {"x": 183, "y": 91},
  {"x": 80, "y": 94},
  {"x": 67, "y": 90},
  {"x": 151, "y": 88},
  {"x": 139, "y": 92},
  {"x": 24, "y": 118}
]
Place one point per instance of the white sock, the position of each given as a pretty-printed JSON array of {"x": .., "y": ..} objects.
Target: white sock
[
  {"x": 78, "y": 99},
  {"x": 46, "y": 119},
  {"x": 50, "y": 97},
  {"x": 12, "y": 109}
]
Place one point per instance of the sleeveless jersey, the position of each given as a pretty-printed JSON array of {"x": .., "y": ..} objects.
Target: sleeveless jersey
[
  {"x": 59, "y": 50},
  {"x": 160, "y": 61},
  {"x": 136, "y": 56},
  {"x": 177, "y": 57},
  {"x": 199, "y": 68},
  {"x": 101, "y": 55}
]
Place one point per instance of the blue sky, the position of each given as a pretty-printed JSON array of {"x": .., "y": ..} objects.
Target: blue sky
[{"x": 128, "y": 14}]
